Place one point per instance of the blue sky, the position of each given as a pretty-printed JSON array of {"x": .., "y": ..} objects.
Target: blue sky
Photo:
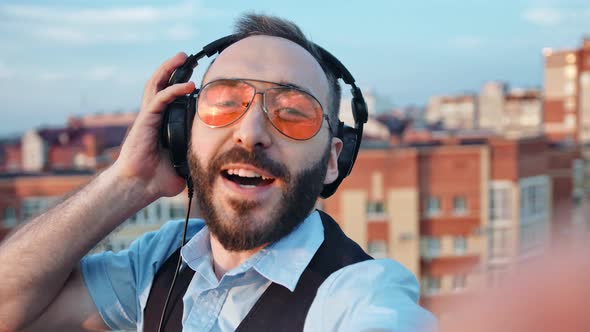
[{"x": 63, "y": 57}]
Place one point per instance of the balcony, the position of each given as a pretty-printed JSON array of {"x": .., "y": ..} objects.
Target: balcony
[
  {"x": 458, "y": 226},
  {"x": 445, "y": 265}
]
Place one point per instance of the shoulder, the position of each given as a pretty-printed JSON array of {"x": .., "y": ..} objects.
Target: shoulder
[
  {"x": 373, "y": 294},
  {"x": 164, "y": 241},
  {"x": 119, "y": 283},
  {"x": 153, "y": 247},
  {"x": 372, "y": 274}
]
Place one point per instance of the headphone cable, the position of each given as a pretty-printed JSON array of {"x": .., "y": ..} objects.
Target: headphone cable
[{"x": 164, "y": 318}]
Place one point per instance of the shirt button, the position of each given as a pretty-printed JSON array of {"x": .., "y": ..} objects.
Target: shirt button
[{"x": 214, "y": 293}]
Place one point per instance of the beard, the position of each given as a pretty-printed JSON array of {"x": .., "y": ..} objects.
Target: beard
[{"x": 241, "y": 230}]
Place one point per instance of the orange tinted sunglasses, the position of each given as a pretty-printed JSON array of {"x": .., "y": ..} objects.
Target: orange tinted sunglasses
[{"x": 292, "y": 111}]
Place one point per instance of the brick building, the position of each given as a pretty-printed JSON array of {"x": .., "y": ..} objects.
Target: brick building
[
  {"x": 458, "y": 210},
  {"x": 25, "y": 195},
  {"x": 567, "y": 93},
  {"x": 90, "y": 142},
  {"x": 10, "y": 155},
  {"x": 46, "y": 164},
  {"x": 567, "y": 99}
]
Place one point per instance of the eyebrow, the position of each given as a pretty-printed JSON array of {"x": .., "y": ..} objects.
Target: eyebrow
[
  {"x": 282, "y": 83},
  {"x": 293, "y": 85}
]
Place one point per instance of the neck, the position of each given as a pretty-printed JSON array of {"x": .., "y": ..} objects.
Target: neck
[{"x": 225, "y": 260}]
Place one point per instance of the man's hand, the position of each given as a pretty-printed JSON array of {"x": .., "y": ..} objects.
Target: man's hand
[{"x": 141, "y": 158}]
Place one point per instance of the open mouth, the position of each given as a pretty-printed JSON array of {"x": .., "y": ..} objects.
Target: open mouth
[{"x": 246, "y": 178}]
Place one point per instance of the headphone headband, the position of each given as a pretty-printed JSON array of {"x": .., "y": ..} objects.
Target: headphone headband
[{"x": 175, "y": 135}]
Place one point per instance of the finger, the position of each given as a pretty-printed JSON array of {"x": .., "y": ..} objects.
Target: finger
[
  {"x": 150, "y": 117},
  {"x": 159, "y": 79},
  {"x": 166, "y": 96}
]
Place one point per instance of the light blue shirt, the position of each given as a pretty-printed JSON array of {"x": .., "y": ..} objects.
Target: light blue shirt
[{"x": 372, "y": 295}]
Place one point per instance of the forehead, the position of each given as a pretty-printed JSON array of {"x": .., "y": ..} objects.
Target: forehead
[{"x": 272, "y": 59}]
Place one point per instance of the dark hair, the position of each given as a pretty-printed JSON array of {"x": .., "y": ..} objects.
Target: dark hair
[{"x": 257, "y": 24}]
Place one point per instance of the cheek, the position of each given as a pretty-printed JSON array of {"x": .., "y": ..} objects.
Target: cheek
[
  {"x": 204, "y": 141},
  {"x": 301, "y": 156}
]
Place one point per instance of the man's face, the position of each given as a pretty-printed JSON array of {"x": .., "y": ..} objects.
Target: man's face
[{"x": 255, "y": 185}]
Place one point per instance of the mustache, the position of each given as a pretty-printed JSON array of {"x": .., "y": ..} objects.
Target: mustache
[{"x": 256, "y": 158}]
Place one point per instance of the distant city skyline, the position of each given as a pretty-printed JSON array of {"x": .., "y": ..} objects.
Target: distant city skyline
[{"x": 69, "y": 58}]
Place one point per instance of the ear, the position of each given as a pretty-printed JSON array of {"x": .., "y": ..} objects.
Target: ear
[{"x": 335, "y": 149}]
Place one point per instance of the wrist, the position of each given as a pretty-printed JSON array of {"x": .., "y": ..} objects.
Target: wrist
[{"x": 133, "y": 189}]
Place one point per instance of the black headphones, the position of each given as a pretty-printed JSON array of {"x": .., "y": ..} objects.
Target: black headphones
[{"x": 179, "y": 115}]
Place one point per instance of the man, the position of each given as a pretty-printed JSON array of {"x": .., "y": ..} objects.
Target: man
[{"x": 257, "y": 183}]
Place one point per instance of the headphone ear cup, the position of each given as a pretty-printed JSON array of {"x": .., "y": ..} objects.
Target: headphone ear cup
[
  {"x": 349, "y": 136},
  {"x": 348, "y": 153},
  {"x": 177, "y": 123}
]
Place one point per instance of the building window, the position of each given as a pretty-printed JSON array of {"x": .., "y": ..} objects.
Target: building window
[
  {"x": 460, "y": 245},
  {"x": 500, "y": 204},
  {"x": 377, "y": 249},
  {"x": 375, "y": 210},
  {"x": 459, "y": 282},
  {"x": 459, "y": 205},
  {"x": 533, "y": 198},
  {"x": 432, "y": 206},
  {"x": 431, "y": 285},
  {"x": 570, "y": 104},
  {"x": 569, "y": 121},
  {"x": 499, "y": 243},
  {"x": 34, "y": 206},
  {"x": 431, "y": 246},
  {"x": 10, "y": 217},
  {"x": 177, "y": 210},
  {"x": 158, "y": 208},
  {"x": 570, "y": 72},
  {"x": 569, "y": 88}
]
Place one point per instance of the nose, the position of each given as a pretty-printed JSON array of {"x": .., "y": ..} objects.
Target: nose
[{"x": 252, "y": 130}]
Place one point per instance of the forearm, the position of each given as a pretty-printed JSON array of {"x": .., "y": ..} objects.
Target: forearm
[{"x": 37, "y": 259}]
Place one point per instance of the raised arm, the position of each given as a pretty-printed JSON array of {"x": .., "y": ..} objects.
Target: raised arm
[{"x": 41, "y": 287}]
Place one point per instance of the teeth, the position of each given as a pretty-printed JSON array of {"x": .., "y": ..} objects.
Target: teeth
[{"x": 245, "y": 173}]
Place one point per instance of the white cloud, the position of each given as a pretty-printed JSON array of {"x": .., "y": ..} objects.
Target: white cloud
[
  {"x": 104, "y": 25},
  {"x": 467, "y": 42},
  {"x": 72, "y": 35},
  {"x": 95, "y": 73},
  {"x": 100, "y": 16},
  {"x": 180, "y": 32},
  {"x": 544, "y": 16},
  {"x": 553, "y": 16}
]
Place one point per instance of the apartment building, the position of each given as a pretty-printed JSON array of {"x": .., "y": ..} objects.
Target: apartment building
[
  {"x": 567, "y": 93},
  {"x": 26, "y": 195},
  {"x": 48, "y": 163},
  {"x": 90, "y": 142},
  {"x": 457, "y": 211},
  {"x": 453, "y": 112},
  {"x": 491, "y": 100},
  {"x": 567, "y": 99}
]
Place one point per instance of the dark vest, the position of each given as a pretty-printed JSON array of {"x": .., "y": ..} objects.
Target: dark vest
[{"x": 277, "y": 309}]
